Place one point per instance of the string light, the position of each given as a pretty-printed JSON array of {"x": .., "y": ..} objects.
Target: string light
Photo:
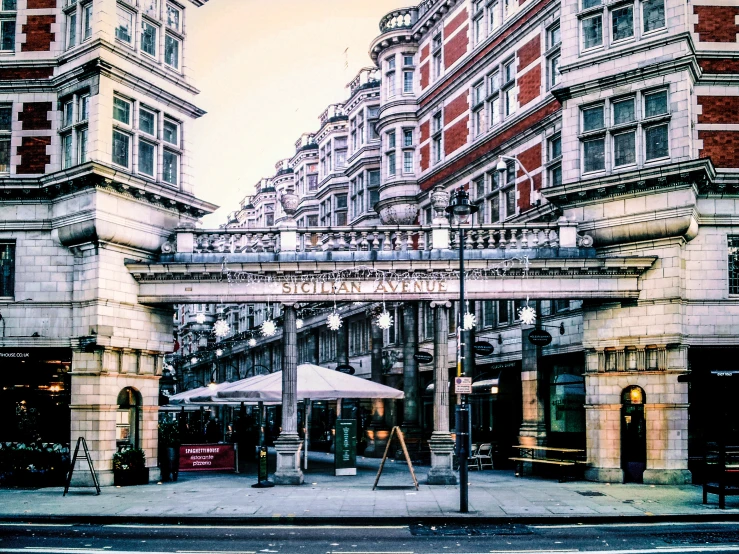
[
  {"x": 299, "y": 323},
  {"x": 200, "y": 318},
  {"x": 219, "y": 352},
  {"x": 470, "y": 320},
  {"x": 334, "y": 321},
  {"x": 269, "y": 328},
  {"x": 221, "y": 328},
  {"x": 527, "y": 315},
  {"x": 384, "y": 320},
  {"x": 252, "y": 342}
]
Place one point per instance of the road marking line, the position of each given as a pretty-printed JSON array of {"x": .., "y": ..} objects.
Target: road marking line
[
  {"x": 676, "y": 549},
  {"x": 533, "y": 551},
  {"x": 57, "y": 550},
  {"x": 167, "y": 526},
  {"x": 650, "y": 524},
  {"x": 36, "y": 524}
]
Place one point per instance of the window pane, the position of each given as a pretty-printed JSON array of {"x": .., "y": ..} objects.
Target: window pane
[
  {"x": 84, "y": 108},
  {"x": 171, "y": 132},
  {"x": 71, "y": 30},
  {"x": 407, "y": 162},
  {"x": 170, "y": 168},
  {"x": 554, "y": 71},
  {"x": 7, "y": 30},
  {"x": 623, "y": 22},
  {"x": 408, "y": 138},
  {"x": 494, "y": 83},
  {"x": 148, "y": 38},
  {"x": 340, "y": 201},
  {"x": 82, "y": 145},
  {"x": 121, "y": 144},
  {"x": 147, "y": 122},
  {"x": 10, "y": 5},
  {"x": 68, "y": 113},
  {"x": 146, "y": 158},
  {"x": 494, "y": 209},
  {"x": 7, "y": 269},
  {"x": 173, "y": 18},
  {"x": 590, "y": 3},
  {"x": 172, "y": 51},
  {"x": 592, "y": 31},
  {"x": 555, "y": 150},
  {"x": 6, "y": 118},
  {"x": 624, "y": 149},
  {"x": 592, "y": 119},
  {"x": 122, "y": 110},
  {"x": 125, "y": 26},
  {"x": 510, "y": 202},
  {"x": 374, "y": 177},
  {"x": 66, "y": 151},
  {"x": 5, "y": 156},
  {"x": 510, "y": 101},
  {"x": 594, "y": 152},
  {"x": 623, "y": 112},
  {"x": 87, "y": 21},
  {"x": 555, "y": 36},
  {"x": 655, "y": 104},
  {"x": 556, "y": 176},
  {"x": 407, "y": 81},
  {"x": 733, "y": 264},
  {"x": 653, "y": 14},
  {"x": 656, "y": 139},
  {"x": 151, "y": 7}
]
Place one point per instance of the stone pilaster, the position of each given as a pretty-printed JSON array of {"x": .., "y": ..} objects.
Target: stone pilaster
[
  {"x": 410, "y": 365},
  {"x": 441, "y": 443},
  {"x": 533, "y": 427},
  {"x": 288, "y": 443}
]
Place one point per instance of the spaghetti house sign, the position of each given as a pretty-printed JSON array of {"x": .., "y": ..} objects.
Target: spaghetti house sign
[{"x": 207, "y": 457}]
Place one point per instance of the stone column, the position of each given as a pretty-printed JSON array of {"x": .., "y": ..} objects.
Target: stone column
[
  {"x": 342, "y": 344},
  {"x": 441, "y": 443},
  {"x": 378, "y": 433},
  {"x": 287, "y": 444},
  {"x": 533, "y": 428},
  {"x": 410, "y": 366}
]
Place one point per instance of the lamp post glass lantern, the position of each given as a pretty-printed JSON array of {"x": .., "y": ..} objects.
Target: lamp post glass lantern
[{"x": 460, "y": 213}]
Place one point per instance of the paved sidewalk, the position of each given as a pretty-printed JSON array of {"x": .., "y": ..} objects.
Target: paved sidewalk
[{"x": 493, "y": 495}]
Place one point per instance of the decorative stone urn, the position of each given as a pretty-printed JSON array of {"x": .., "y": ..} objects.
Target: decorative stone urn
[
  {"x": 289, "y": 201},
  {"x": 399, "y": 214},
  {"x": 439, "y": 200}
]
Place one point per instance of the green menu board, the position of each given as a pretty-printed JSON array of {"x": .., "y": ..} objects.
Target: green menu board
[{"x": 345, "y": 457}]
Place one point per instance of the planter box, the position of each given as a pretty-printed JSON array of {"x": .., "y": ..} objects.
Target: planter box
[{"x": 130, "y": 477}]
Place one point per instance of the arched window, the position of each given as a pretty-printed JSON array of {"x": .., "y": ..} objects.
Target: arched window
[
  {"x": 633, "y": 395},
  {"x": 127, "y": 419}
]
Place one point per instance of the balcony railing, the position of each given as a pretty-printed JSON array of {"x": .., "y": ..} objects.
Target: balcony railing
[
  {"x": 403, "y": 18},
  {"x": 504, "y": 236}
]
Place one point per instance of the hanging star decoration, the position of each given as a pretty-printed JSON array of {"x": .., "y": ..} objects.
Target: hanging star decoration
[
  {"x": 252, "y": 342},
  {"x": 269, "y": 328},
  {"x": 334, "y": 321},
  {"x": 470, "y": 320},
  {"x": 527, "y": 315},
  {"x": 221, "y": 328},
  {"x": 384, "y": 320},
  {"x": 200, "y": 318},
  {"x": 299, "y": 323}
]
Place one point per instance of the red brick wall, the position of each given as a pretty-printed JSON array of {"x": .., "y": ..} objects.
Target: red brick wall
[
  {"x": 716, "y": 23},
  {"x": 529, "y": 52},
  {"x": 41, "y": 4},
  {"x": 38, "y": 33},
  {"x": 455, "y": 137},
  {"x": 530, "y": 159},
  {"x": 11, "y": 73},
  {"x": 425, "y": 131},
  {"x": 425, "y": 51},
  {"x": 495, "y": 141},
  {"x": 719, "y": 109},
  {"x": 719, "y": 66},
  {"x": 721, "y": 146},
  {"x": 529, "y": 85},
  {"x": 455, "y": 23},
  {"x": 34, "y": 116},
  {"x": 457, "y": 47},
  {"x": 455, "y": 108},
  {"x": 425, "y": 157},
  {"x": 424, "y": 75},
  {"x": 33, "y": 155},
  {"x": 524, "y": 192},
  {"x": 479, "y": 55}
]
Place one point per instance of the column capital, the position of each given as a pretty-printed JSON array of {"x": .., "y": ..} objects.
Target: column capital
[{"x": 441, "y": 304}]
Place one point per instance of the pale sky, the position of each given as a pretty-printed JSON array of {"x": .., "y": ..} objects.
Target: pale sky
[{"x": 266, "y": 70}]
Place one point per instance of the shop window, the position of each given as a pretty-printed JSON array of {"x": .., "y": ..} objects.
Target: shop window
[
  {"x": 7, "y": 269},
  {"x": 128, "y": 418},
  {"x": 733, "y": 264}
]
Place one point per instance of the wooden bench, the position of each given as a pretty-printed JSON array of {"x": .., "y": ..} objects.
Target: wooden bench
[{"x": 563, "y": 458}]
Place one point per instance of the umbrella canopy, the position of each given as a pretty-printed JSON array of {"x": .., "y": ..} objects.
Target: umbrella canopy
[
  {"x": 314, "y": 383},
  {"x": 185, "y": 396}
]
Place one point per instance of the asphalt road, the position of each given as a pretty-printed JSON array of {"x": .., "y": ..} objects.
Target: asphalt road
[{"x": 615, "y": 538}]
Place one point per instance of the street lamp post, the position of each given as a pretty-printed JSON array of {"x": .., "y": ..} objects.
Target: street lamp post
[{"x": 460, "y": 213}]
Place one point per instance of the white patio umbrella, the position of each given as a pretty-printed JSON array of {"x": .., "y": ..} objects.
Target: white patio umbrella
[{"x": 314, "y": 383}]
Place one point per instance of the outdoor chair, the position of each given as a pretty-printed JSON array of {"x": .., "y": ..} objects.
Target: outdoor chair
[
  {"x": 472, "y": 461},
  {"x": 484, "y": 456}
]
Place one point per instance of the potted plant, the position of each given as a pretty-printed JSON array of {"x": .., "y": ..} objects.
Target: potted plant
[
  {"x": 169, "y": 450},
  {"x": 129, "y": 468}
]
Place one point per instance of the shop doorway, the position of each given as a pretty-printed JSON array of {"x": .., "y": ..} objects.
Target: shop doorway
[
  {"x": 128, "y": 419},
  {"x": 633, "y": 434}
]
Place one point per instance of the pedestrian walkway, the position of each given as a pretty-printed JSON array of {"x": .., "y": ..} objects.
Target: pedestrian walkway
[{"x": 493, "y": 495}]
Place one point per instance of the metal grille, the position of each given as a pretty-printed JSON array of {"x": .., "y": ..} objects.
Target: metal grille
[{"x": 734, "y": 265}]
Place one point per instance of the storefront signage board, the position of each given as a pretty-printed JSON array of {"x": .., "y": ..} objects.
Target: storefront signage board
[
  {"x": 539, "y": 337},
  {"x": 483, "y": 348},
  {"x": 423, "y": 357},
  {"x": 207, "y": 457},
  {"x": 345, "y": 458},
  {"x": 345, "y": 368}
]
